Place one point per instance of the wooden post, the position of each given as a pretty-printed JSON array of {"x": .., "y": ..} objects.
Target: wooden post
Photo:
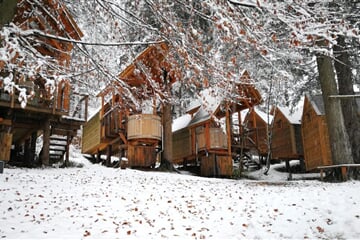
[
  {"x": 108, "y": 155},
  {"x": 344, "y": 173},
  {"x": 33, "y": 146},
  {"x": 207, "y": 136},
  {"x": 228, "y": 130},
  {"x": 288, "y": 169},
  {"x": 68, "y": 141},
  {"x": 98, "y": 157},
  {"x": 321, "y": 174},
  {"x": 46, "y": 143},
  {"x": 86, "y": 107},
  {"x": 5, "y": 146},
  {"x": 27, "y": 152}
]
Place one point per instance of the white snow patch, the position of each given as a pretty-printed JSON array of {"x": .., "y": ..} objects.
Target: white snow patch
[{"x": 95, "y": 202}]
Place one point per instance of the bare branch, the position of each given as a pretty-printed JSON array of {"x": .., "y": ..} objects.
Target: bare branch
[{"x": 50, "y": 36}]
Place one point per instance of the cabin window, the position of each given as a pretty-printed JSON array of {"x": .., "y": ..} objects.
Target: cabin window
[{"x": 279, "y": 124}]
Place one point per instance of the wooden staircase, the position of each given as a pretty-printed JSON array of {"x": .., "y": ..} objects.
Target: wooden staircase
[
  {"x": 58, "y": 148},
  {"x": 63, "y": 131}
]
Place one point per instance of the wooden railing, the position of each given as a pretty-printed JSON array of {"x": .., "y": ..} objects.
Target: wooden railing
[
  {"x": 61, "y": 102},
  {"x": 113, "y": 122}
]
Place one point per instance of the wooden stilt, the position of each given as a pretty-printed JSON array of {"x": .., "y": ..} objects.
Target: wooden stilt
[
  {"x": 46, "y": 143},
  {"x": 68, "y": 141},
  {"x": 108, "y": 155}
]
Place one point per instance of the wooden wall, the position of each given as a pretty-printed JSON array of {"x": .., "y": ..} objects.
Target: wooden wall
[
  {"x": 144, "y": 126},
  {"x": 286, "y": 142},
  {"x": 316, "y": 143},
  {"x": 216, "y": 138},
  {"x": 257, "y": 132},
  {"x": 5, "y": 146},
  {"x": 141, "y": 156},
  {"x": 91, "y": 135},
  {"x": 181, "y": 145},
  {"x": 215, "y": 165}
]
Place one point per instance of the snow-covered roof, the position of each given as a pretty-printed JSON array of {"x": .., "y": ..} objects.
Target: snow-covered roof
[
  {"x": 264, "y": 116},
  {"x": 317, "y": 103},
  {"x": 294, "y": 116},
  {"x": 181, "y": 122}
]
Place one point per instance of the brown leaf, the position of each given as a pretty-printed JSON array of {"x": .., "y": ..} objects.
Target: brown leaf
[
  {"x": 320, "y": 229},
  {"x": 86, "y": 233}
]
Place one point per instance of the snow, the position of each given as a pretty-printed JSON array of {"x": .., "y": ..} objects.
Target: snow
[
  {"x": 95, "y": 202},
  {"x": 294, "y": 116},
  {"x": 181, "y": 122}
]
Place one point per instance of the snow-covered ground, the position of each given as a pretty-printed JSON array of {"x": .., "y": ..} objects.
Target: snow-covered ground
[{"x": 99, "y": 202}]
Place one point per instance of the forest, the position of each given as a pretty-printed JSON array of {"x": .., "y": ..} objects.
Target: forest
[
  {"x": 106, "y": 104},
  {"x": 290, "y": 48}
]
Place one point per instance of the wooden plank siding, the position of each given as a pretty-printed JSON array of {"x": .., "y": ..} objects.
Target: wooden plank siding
[
  {"x": 316, "y": 143},
  {"x": 91, "y": 135},
  {"x": 214, "y": 165},
  {"x": 256, "y": 132},
  {"x": 5, "y": 146},
  {"x": 286, "y": 142},
  {"x": 144, "y": 126},
  {"x": 181, "y": 145}
]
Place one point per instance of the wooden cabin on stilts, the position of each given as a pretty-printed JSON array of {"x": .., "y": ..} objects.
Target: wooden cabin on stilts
[
  {"x": 205, "y": 135},
  {"x": 123, "y": 127},
  {"x": 286, "y": 140},
  {"x": 254, "y": 139},
  {"x": 54, "y": 112}
]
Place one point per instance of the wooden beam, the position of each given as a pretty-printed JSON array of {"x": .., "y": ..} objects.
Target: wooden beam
[
  {"x": 344, "y": 96},
  {"x": 46, "y": 144}
]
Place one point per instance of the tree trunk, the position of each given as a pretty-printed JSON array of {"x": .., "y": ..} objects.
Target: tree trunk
[
  {"x": 166, "y": 157},
  {"x": 349, "y": 106},
  {"x": 7, "y": 11},
  {"x": 339, "y": 141}
]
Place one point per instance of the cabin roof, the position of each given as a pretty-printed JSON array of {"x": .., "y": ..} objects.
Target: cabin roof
[
  {"x": 263, "y": 116},
  {"x": 294, "y": 117},
  {"x": 317, "y": 103},
  {"x": 61, "y": 21},
  {"x": 152, "y": 58},
  {"x": 181, "y": 122}
]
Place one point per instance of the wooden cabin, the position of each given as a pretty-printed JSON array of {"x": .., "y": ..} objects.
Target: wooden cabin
[
  {"x": 200, "y": 138},
  {"x": 121, "y": 127},
  {"x": 315, "y": 134},
  {"x": 48, "y": 112},
  {"x": 286, "y": 143},
  {"x": 254, "y": 132}
]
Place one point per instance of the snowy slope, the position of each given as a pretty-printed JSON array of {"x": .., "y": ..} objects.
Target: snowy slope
[{"x": 107, "y": 203}]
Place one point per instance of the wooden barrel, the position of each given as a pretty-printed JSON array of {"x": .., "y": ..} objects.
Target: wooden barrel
[
  {"x": 218, "y": 139},
  {"x": 141, "y": 126}
]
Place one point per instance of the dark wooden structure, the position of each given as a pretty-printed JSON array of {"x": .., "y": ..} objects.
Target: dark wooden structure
[
  {"x": 286, "y": 142},
  {"x": 198, "y": 138},
  {"x": 122, "y": 128},
  {"x": 51, "y": 114},
  {"x": 316, "y": 142},
  {"x": 254, "y": 131},
  {"x": 315, "y": 134}
]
